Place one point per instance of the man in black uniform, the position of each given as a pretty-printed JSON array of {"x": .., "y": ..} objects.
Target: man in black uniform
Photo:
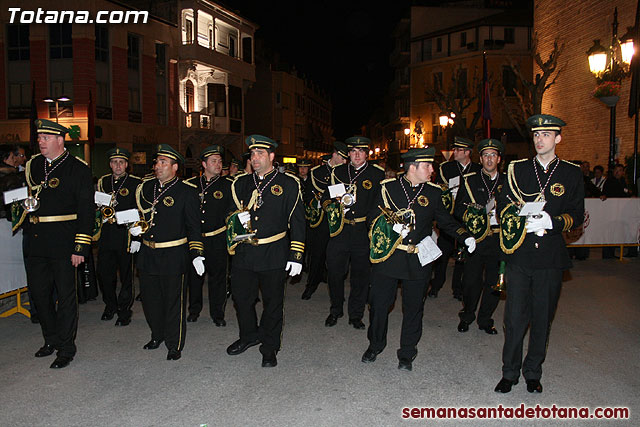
[
  {"x": 318, "y": 232},
  {"x": 57, "y": 237},
  {"x": 171, "y": 219},
  {"x": 215, "y": 204},
  {"x": 415, "y": 203},
  {"x": 115, "y": 248},
  {"x": 349, "y": 237},
  {"x": 452, "y": 174},
  {"x": 536, "y": 251},
  {"x": 269, "y": 203},
  {"x": 476, "y": 208}
]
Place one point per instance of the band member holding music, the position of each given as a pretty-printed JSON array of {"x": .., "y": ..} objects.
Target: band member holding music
[
  {"x": 115, "y": 248},
  {"x": 401, "y": 227},
  {"x": 451, "y": 177},
  {"x": 476, "y": 209},
  {"x": 58, "y": 223},
  {"x": 318, "y": 231},
  {"x": 349, "y": 242},
  {"x": 535, "y": 248},
  {"x": 171, "y": 241},
  {"x": 216, "y": 204},
  {"x": 265, "y": 235}
]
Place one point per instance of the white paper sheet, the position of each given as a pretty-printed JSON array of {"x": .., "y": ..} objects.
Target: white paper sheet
[{"x": 15, "y": 195}]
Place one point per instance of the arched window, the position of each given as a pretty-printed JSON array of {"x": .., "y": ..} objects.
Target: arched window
[{"x": 188, "y": 96}]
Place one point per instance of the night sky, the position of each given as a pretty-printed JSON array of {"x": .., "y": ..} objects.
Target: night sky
[{"x": 343, "y": 46}]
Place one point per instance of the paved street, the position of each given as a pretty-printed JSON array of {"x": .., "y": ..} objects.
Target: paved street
[{"x": 593, "y": 361}]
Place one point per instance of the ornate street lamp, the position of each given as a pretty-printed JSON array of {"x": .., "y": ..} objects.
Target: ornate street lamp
[{"x": 57, "y": 100}]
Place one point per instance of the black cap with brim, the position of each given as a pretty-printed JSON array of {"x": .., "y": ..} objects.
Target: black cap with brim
[
  {"x": 118, "y": 153},
  {"x": 419, "y": 155},
  {"x": 341, "y": 148},
  {"x": 50, "y": 128},
  {"x": 545, "y": 122},
  {"x": 260, "y": 141},
  {"x": 491, "y": 143},
  {"x": 304, "y": 162},
  {"x": 357, "y": 142},
  {"x": 170, "y": 152},
  {"x": 210, "y": 150},
  {"x": 460, "y": 142}
]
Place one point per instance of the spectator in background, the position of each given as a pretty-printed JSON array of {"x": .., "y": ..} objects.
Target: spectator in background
[
  {"x": 19, "y": 158},
  {"x": 615, "y": 187},
  {"x": 599, "y": 177}
]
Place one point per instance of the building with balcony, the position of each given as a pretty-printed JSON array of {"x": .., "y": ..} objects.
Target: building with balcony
[{"x": 179, "y": 78}]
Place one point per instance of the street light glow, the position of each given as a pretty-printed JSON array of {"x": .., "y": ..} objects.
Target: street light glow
[{"x": 597, "y": 58}]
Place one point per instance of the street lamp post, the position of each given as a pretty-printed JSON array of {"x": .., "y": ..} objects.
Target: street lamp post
[
  {"x": 446, "y": 120},
  {"x": 57, "y": 100},
  {"x": 609, "y": 66}
]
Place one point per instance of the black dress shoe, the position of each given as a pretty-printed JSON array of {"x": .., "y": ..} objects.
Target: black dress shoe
[
  {"x": 219, "y": 322},
  {"x": 405, "y": 364},
  {"x": 306, "y": 295},
  {"x": 240, "y": 347},
  {"x": 192, "y": 317},
  {"x": 107, "y": 315},
  {"x": 489, "y": 330},
  {"x": 433, "y": 293},
  {"x": 357, "y": 323},
  {"x": 504, "y": 386},
  {"x": 269, "y": 360},
  {"x": 152, "y": 345},
  {"x": 123, "y": 321},
  {"x": 534, "y": 386},
  {"x": 61, "y": 362},
  {"x": 463, "y": 326},
  {"x": 174, "y": 355},
  {"x": 370, "y": 355},
  {"x": 45, "y": 350},
  {"x": 331, "y": 320}
]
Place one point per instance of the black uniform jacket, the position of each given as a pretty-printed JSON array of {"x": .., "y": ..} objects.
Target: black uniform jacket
[
  {"x": 113, "y": 235},
  {"x": 176, "y": 218},
  {"x": 367, "y": 183},
  {"x": 476, "y": 189},
  {"x": 564, "y": 195},
  {"x": 281, "y": 212},
  {"x": 451, "y": 169},
  {"x": 69, "y": 191},
  {"x": 427, "y": 208},
  {"x": 216, "y": 203}
]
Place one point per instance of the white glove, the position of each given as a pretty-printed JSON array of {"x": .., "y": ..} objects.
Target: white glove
[
  {"x": 294, "y": 268},
  {"x": 538, "y": 225},
  {"x": 199, "y": 265},
  {"x": 470, "y": 242},
  {"x": 135, "y": 231},
  {"x": 244, "y": 218},
  {"x": 401, "y": 229},
  {"x": 135, "y": 247}
]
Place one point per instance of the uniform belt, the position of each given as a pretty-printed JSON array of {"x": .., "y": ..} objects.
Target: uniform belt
[
  {"x": 355, "y": 221},
  {"x": 215, "y": 232},
  {"x": 411, "y": 249},
  {"x": 271, "y": 239},
  {"x": 54, "y": 218},
  {"x": 163, "y": 245}
]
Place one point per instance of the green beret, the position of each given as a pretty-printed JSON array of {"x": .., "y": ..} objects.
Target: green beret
[
  {"x": 419, "y": 155},
  {"x": 304, "y": 162},
  {"x": 260, "y": 141},
  {"x": 460, "y": 142},
  {"x": 212, "y": 149},
  {"x": 170, "y": 152},
  {"x": 51, "y": 128},
  {"x": 341, "y": 148},
  {"x": 357, "y": 142},
  {"x": 545, "y": 122},
  {"x": 118, "y": 153},
  {"x": 491, "y": 143}
]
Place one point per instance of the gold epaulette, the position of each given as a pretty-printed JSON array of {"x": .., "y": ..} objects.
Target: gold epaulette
[
  {"x": 190, "y": 184},
  {"x": 292, "y": 176},
  {"x": 86, "y": 164},
  {"x": 189, "y": 180},
  {"x": 135, "y": 176},
  {"x": 379, "y": 167},
  {"x": 231, "y": 178},
  {"x": 572, "y": 164},
  {"x": 315, "y": 167},
  {"x": 148, "y": 178},
  {"x": 434, "y": 185},
  {"x": 468, "y": 174},
  {"x": 384, "y": 181}
]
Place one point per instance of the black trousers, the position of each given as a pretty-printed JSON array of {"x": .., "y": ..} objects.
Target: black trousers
[
  {"x": 110, "y": 263},
  {"x": 164, "y": 306},
  {"x": 381, "y": 296},
  {"x": 447, "y": 246},
  {"x": 59, "y": 321},
  {"x": 317, "y": 240},
  {"x": 215, "y": 262},
  {"x": 351, "y": 245},
  {"x": 244, "y": 289},
  {"x": 532, "y": 297},
  {"x": 480, "y": 274}
]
